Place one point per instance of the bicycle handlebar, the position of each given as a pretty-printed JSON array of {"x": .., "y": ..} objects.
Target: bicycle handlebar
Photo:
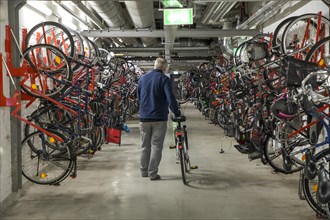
[{"x": 306, "y": 89}]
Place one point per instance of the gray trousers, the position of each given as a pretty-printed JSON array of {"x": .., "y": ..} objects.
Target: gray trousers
[{"x": 153, "y": 136}]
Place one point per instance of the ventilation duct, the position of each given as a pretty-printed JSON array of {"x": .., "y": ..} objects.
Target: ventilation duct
[
  {"x": 142, "y": 16},
  {"x": 226, "y": 45},
  {"x": 262, "y": 14},
  {"x": 113, "y": 14}
]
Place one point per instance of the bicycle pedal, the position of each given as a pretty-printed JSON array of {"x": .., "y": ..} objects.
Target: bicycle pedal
[
  {"x": 172, "y": 147},
  {"x": 194, "y": 167}
]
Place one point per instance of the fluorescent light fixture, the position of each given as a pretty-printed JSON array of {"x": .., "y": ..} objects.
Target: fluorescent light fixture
[
  {"x": 172, "y": 4},
  {"x": 40, "y": 7},
  {"x": 175, "y": 72}
]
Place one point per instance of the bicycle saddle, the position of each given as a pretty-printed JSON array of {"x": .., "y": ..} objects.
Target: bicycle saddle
[
  {"x": 323, "y": 189},
  {"x": 181, "y": 118}
]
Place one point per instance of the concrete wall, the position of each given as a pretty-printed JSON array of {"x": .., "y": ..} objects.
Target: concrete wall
[
  {"x": 5, "y": 137},
  {"x": 6, "y": 185}
]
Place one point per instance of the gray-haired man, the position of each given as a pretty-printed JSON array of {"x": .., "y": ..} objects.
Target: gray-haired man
[{"x": 155, "y": 95}]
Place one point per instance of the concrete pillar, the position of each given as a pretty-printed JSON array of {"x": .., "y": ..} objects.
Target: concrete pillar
[
  {"x": 10, "y": 128},
  {"x": 16, "y": 126}
]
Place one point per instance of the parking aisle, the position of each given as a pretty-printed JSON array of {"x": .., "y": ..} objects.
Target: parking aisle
[{"x": 225, "y": 186}]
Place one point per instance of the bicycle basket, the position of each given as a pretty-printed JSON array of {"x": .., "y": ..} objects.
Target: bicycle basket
[{"x": 297, "y": 70}]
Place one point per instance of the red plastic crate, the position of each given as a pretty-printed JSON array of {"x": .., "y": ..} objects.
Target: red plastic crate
[{"x": 113, "y": 135}]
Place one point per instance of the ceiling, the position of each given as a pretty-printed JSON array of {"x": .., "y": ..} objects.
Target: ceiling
[{"x": 135, "y": 29}]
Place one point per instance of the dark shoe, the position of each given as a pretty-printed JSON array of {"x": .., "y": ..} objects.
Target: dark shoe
[
  {"x": 157, "y": 177},
  {"x": 144, "y": 175}
]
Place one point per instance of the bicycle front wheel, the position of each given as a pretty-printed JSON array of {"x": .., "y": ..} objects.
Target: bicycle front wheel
[
  {"x": 319, "y": 53},
  {"x": 45, "y": 163},
  {"x": 301, "y": 30},
  {"x": 52, "y": 71}
]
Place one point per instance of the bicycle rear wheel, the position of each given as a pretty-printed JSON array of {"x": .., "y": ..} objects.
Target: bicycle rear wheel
[
  {"x": 183, "y": 166},
  {"x": 310, "y": 186},
  {"x": 53, "y": 33},
  {"x": 273, "y": 148},
  {"x": 45, "y": 163}
]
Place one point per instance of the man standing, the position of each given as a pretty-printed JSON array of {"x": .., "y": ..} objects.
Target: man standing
[{"x": 155, "y": 95}]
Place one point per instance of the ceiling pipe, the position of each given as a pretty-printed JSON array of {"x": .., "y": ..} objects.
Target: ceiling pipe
[
  {"x": 113, "y": 14},
  {"x": 226, "y": 47},
  {"x": 89, "y": 14},
  {"x": 73, "y": 14},
  {"x": 140, "y": 12},
  {"x": 219, "y": 10},
  {"x": 209, "y": 12},
  {"x": 262, "y": 14},
  {"x": 170, "y": 35},
  {"x": 224, "y": 11}
]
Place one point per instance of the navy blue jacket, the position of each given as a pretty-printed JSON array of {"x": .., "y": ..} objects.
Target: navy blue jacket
[{"x": 155, "y": 95}]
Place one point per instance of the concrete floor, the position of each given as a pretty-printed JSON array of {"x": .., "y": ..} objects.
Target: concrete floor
[{"x": 226, "y": 186}]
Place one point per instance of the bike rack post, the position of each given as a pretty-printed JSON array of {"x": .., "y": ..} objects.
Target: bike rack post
[{"x": 4, "y": 101}]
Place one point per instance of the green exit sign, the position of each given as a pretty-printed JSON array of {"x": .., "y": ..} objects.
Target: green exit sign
[{"x": 178, "y": 16}]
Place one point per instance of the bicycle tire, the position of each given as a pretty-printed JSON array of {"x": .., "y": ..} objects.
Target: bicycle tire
[
  {"x": 310, "y": 198},
  {"x": 316, "y": 48},
  {"x": 50, "y": 161},
  {"x": 275, "y": 44},
  {"x": 45, "y": 116},
  {"x": 275, "y": 160},
  {"x": 54, "y": 64},
  {"x": 183, "y": 167},
  {"x": 295, "y": 21},
  {"x": 94, "y": 49},
  {"x": 51, "y": 24}
]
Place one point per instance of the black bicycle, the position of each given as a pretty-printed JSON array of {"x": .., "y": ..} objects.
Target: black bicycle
[{"x": 181, "y": 143}]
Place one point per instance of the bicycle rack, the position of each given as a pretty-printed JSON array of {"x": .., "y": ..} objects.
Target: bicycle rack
[
  {"x": 23, "y": 71},
  {"x": 12, "y": 72}
]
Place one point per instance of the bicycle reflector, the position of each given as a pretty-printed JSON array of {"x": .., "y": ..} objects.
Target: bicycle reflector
[
  {"x": 180, "y": 147},
  {"x": 34, "y": 86},
  {"x": 43, "y": 175},
  {"x": 178, "y": 133},
  {"x": 57, "y": 60},
  {"x": 52, "y": 140},
  {"x": 315, "y": 187}
]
